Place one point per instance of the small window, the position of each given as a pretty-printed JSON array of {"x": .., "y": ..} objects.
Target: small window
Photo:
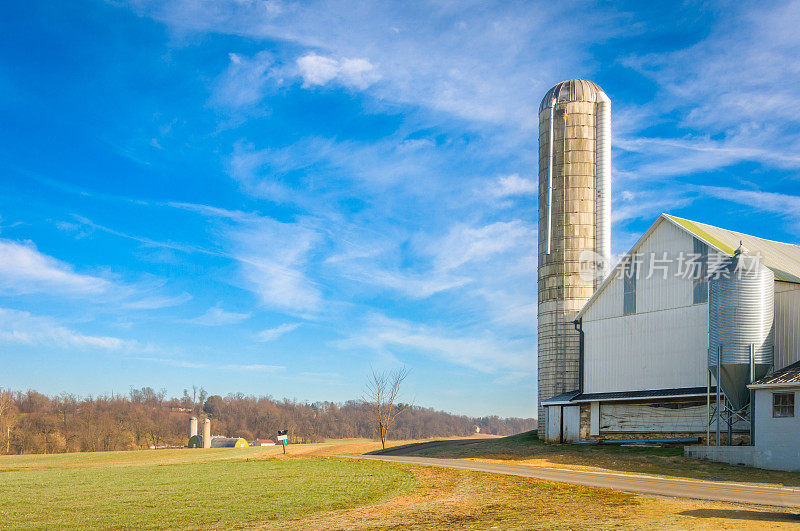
[
  {"x": 782, "y": 405},
  {"x": 700, "y": 276},
  {"x": 629, "y": 288}
]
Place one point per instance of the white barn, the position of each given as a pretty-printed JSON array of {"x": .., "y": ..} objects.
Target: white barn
[{"x": 644, "y": 348}]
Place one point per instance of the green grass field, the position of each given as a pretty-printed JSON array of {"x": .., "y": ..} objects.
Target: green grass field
[
  {"x": 307, "y": 489},
  {"x": 184, "y": 488}
]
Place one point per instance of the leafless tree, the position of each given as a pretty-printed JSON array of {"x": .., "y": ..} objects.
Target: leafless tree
[
  {"x": 7, "y": 417},
  {"x": 381, "y": 395}
]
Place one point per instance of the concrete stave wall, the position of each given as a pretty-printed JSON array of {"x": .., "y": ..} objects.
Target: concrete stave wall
[{"x": 562, "y": 293}]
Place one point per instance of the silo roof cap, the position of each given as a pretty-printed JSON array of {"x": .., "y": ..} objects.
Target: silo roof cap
[{"x": 572, "y": 90}]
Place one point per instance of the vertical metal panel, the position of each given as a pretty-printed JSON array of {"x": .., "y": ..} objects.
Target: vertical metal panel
[
  {"x": 741, "y": 324},
  {"x": 603, "y": 183},
  {"x": 787, "y": 324}
]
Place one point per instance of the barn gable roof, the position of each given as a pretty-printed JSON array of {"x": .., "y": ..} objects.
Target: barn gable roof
[{"x": 782, "y": 258}]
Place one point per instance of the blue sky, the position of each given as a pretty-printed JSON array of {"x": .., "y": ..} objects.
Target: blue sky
[{"x": 270, "y": 197}]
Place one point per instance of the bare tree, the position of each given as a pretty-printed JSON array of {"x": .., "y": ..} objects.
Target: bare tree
[
  {"x": 381, "y": 395},
  {"x": 7, "y": 417}
]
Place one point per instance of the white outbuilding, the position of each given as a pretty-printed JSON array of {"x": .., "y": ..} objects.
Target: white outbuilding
[{"x": 776, "y": 423}]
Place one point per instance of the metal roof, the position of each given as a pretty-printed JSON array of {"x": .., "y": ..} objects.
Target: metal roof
[
  {"x": 782, "y": 258},
  {"x": 224, "y": 442},
  {"x": 561, "y": 399},
  {"x": 572, "y": 90},
  {"x": 676, "y": 392},
  {"x": 577, "y": 397},
  {"x": 787, "y": 377}
]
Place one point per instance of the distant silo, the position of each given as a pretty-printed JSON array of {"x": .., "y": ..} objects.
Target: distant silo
[
  {"x": 207, "y": 433},
  {"x": 574, "y": 218},
  {"x": 192, "y": 427}
]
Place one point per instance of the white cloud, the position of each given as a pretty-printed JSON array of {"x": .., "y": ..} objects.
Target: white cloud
[
  {"x": 784, "y": 205},
  {"x": 514, "y": 185},
  {"x": 255, "y": 367},
  {"x": 412, "y": 285},
  {"x": 272, "y": 334},
  {"x": 464, "y": 244},
  {"x": 648, "y": 204},
  {"x": 271, "y": 255},
  {"x": 468, "y": 59},
  {"x": 317, "y": 70},
  {"x": 216, "y": 316},
  {"x": 483, "y": 352},
  {"x": 734, "y": 85},
  {"x": 320, "y": 70},
  {"x": 23, "y": 269},
  {"x": 157, "y": 302},
  {"x": 244, "y": 81},
  {"x": 18, "y": 327}
]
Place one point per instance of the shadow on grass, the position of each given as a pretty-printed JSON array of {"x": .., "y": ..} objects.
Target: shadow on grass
[
  {"x": 742, "y": 514},
  {"x": 665, "y": 461}
]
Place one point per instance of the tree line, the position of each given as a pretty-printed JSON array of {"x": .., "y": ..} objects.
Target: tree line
[{"x": 32, "y": 422}]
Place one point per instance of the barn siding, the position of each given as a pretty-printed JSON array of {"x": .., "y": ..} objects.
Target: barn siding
[
  {"x": 662, "y": 345},
  {"x": 787, "y": 324},
  {"x": 652, "y": 418}
]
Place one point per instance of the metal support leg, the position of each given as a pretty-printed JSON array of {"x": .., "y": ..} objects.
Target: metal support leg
[
  {"x": 752, "y": 395},
  {"x": 708, "y": 410},
  {"x": 719, "y": 411}
]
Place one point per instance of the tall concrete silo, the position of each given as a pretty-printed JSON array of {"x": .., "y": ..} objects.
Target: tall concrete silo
[
  {"x": 207, "y": 433},
  {"x": 574, "y": 223},
  {"x": 192, "y": 426}
]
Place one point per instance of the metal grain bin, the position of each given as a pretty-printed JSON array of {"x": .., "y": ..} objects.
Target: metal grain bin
[{"x": 740, "y": 325}]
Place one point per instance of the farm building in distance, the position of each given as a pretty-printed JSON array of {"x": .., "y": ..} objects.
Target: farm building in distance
[
  {"x": 637, "y": 353},
  {"x": 208, "y": 441}
]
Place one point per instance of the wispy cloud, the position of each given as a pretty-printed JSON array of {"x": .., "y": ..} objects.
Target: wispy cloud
[
  {"x": 272, "y": 334},
  {"x": 733, "y": 86},
  {"x": 254, "y": 367},
  {"x": 19, "y": 327},
  {"x": 156, "y": 302},
  {"x": 514, "y": 185},
  {"x": 468, "y": 59},
  {"x": 216, "y": 316},
  {"x": 244, "y": 82},
  {"x": 23, "y": 269},
  {"x": 464, "y": 244},
  {"x": 784, "y": 205},
  {"x": 483, "y": 352},
  {"x": 271, "y": 255}
]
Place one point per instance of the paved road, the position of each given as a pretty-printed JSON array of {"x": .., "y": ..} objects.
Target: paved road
[
  {"x": 676, "y": 488},
  {"x": 411, "y": 448}
]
